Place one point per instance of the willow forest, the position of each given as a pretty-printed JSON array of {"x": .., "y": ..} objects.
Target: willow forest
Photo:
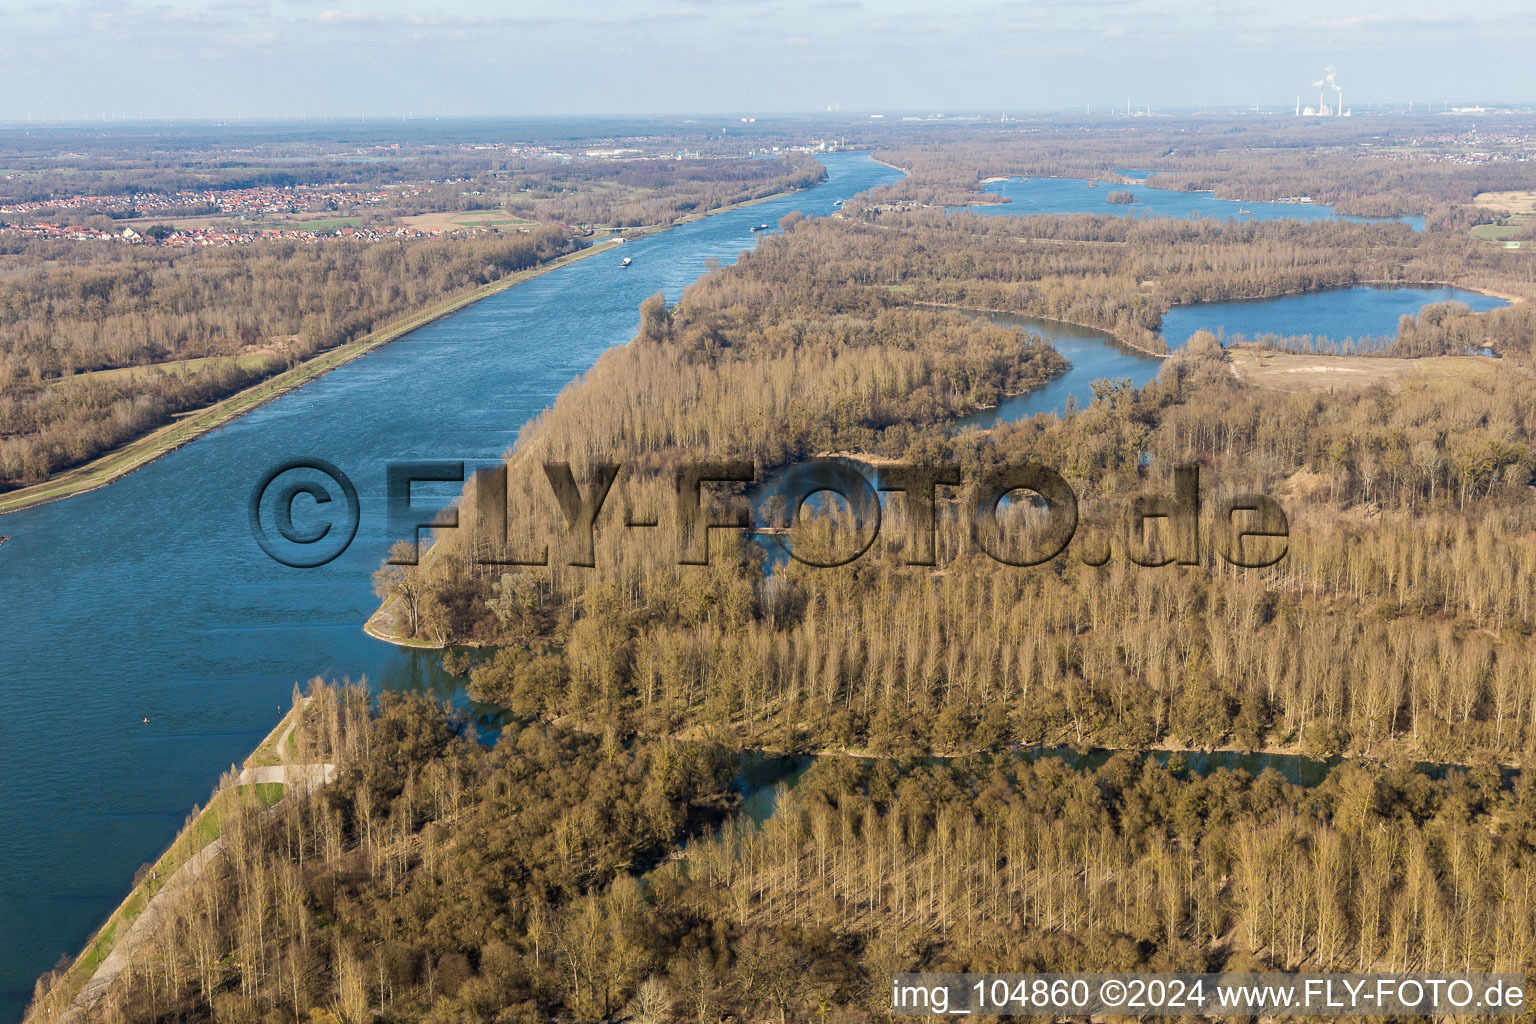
[{"x": 996, "y": 767}]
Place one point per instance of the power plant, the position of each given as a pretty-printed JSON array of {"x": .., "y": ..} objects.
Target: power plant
[{"x": 1328, "y": 81}]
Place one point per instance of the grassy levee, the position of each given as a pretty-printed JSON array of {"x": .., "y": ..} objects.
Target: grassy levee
[
  {"x": 202, "y": 828},
  {"x": 121, "y": 461}
]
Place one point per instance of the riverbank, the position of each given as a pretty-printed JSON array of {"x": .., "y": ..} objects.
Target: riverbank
[
  {"x": 260, "y": 782},
  {"x": 1070, "y": 323},
  {"x": 1369, "y": 283},
  {"x": 383, "y": 624},
  {"x": 118, "y": 463},
  {"x": 227, "y": 613},
  {"x": 1508, "y": 297}
]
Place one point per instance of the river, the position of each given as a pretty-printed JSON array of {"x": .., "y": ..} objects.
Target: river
[{"x": 150, "y": 599}]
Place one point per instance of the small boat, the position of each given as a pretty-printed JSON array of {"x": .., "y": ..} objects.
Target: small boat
[
  {"x": 1240, "y": 210},
  {"x": 626, "y": 261},
  {"x": 837, "y": 203},
  {"x": 1093, "y": 184},
  {"x": 761, "y": 227}
]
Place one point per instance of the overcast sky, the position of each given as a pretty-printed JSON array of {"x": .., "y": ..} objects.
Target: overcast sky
[{"x": 213, "y": 58}]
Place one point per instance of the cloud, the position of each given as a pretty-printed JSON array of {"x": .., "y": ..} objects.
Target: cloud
[
  {"x": 445, "y": 22},
  {"x": 1359, "y": 21},
  {"x": 798, "y": 41},
  {"x": 335, "y": 17}
]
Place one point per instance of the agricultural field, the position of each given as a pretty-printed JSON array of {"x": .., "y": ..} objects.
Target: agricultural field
[
  {"x": 1521, "y": 201},
  {"x": 451, "y": 220},
  {"x": 179, "y": 367},
  {"x": 1293, "y": 372}
]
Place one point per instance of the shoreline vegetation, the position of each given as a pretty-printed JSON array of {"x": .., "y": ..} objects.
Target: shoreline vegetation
[
  {"x": 593, "y": 865},
  {"x": 73, "y": 992},
  {"x": 118, "y": 463},
  {"x": 112, "y": 466},
  {"x": 727, "y": 330},
  {"x": 1118, "y": 340},
  {"x": 1111, "y": 178},
  {"x": 380, "y": 624},
  {"x": 608, "y": 881},
  {"x": 89, "y": 974}
]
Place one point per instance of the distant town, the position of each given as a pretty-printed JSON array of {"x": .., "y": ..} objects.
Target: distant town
[
  {"x": 243, "y": 203},
  {"x": 188, "y": 212},
  {"x": 216, "y": 236}
]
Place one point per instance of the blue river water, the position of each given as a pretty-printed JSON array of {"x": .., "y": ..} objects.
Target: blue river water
[
  {"x": 1093, "y": 355},
  {"x": 150, "y": 599},
  {"x": 1077, "y": 195},
  {"x": 1366, "y": 314}
]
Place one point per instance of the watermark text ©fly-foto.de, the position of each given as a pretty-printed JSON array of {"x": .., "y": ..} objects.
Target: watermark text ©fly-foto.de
[{"x": 1020, "y": 515}]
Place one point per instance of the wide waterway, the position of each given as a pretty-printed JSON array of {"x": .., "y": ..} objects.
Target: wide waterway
[{"x": 149, "y": 598}]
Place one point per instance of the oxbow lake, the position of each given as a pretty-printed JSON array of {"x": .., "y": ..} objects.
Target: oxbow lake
[
  {"x": 1367, "y": 315},
  {"x": 1077, "y": 195}
]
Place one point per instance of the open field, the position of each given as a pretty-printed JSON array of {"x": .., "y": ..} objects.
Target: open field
[
  {"x": 182, "y": 367},
  {"x": 328, "y": 224},
  {"x": 1501, "y": 234},
  {"x": 1498, "y": 232},
  {"x": 448, "y": 220},
  {"x": 182, "y": 223},
  {"x": 1284, "y": 371},
  {"x": 1509, "y": 202}
]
